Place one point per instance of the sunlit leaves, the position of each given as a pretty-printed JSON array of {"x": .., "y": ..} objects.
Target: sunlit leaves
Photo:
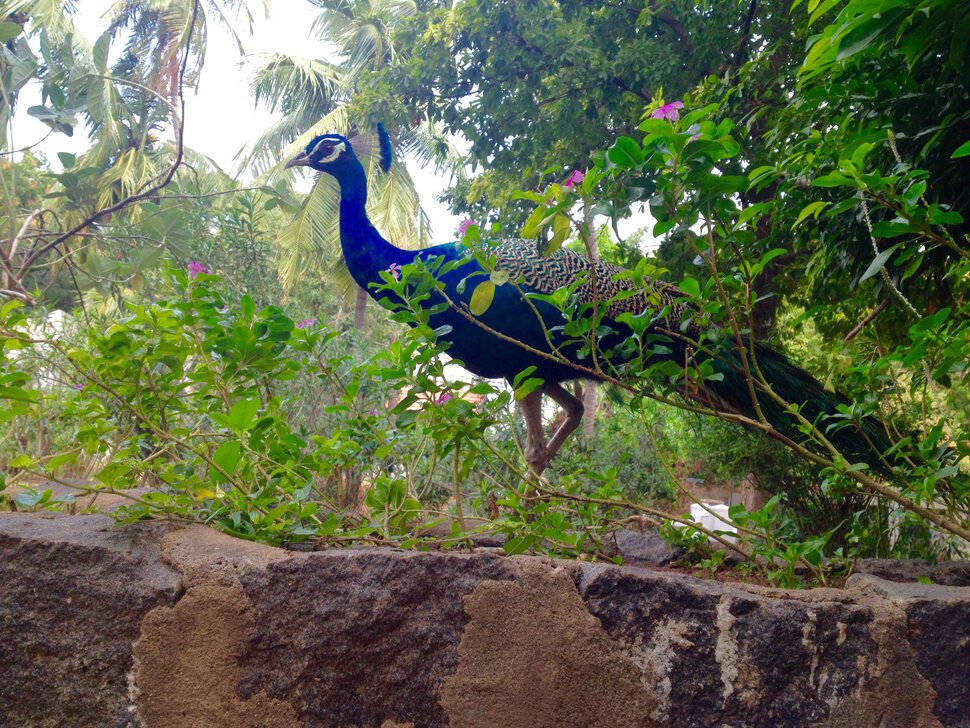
[{"x": 482, "y": 297}]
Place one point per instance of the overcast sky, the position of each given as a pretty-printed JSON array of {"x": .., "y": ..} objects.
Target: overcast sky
[{"x": 221, "y": 118}]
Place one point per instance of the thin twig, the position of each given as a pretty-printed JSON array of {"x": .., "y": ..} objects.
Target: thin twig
[{"x": 865, "y": 322}]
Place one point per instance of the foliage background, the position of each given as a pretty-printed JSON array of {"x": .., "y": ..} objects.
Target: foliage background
[{"x": 827, "y": 146}]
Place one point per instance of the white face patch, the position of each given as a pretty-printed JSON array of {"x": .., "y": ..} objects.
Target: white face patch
[{"x": 328, "y": 149}]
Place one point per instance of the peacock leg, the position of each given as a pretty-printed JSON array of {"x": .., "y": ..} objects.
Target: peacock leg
[
  {"x": 538, "y": 454},
  {"x": 573, "y": 408},
  {"x": 535, "y": 438}
]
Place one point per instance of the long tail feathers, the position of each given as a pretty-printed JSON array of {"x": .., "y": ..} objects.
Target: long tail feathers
[{"x": 864, "y": 441}]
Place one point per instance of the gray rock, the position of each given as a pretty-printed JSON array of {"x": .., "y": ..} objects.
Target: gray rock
[
  {"x": 644, "y": 548},
  {"x": 937, "y": 620},
  {"x": 73, "y": 594},
  {"x": 170, "y": 625},
  {"x": 949, "y": 573}
]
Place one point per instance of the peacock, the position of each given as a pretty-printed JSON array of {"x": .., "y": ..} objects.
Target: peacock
[{"x": 523, "y": 329}]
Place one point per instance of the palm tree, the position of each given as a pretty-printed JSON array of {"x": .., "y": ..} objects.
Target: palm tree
[
  {"x": 316, "y": 96},
  {"x": 125, "y": 107}
]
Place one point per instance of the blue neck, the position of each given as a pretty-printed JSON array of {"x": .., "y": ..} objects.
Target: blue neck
[{"x": 365, "y": 250}]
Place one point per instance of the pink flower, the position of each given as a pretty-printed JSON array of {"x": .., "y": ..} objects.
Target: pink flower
[
  {"x": 670, "y": 111},
  {"x": 195, "y": 268},
  {"x": 444, "y": 399},
  {"x": 306, "y": 323},
  {"x": 575, "y": 178},
  {"x": 395, "y": 270},
  {"x": 463, "y": 228},
  {"x": 79, "y": 387}
]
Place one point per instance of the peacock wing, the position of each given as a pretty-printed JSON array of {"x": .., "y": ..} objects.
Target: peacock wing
[{"x": 613, "y": 285}]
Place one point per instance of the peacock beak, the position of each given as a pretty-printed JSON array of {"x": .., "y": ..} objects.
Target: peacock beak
[{"x": 300, "y": 160}]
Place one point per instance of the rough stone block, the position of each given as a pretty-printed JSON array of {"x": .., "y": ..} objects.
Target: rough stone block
[{"x": 166, "y": 625}]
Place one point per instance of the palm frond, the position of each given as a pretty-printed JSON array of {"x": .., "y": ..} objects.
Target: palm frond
[
  {"x": 338, "y": 119},
  {"x": 429, "y": 145},
  {"x": 285, "y": 83},
  {"x": 310, "y": 242},
  {"x": 53, "y": 16},
  {"x": 393, "y": 204},
  {"x": 242, "y": 10}
]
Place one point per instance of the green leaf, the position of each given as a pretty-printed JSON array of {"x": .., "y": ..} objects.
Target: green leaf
[
  {"x": 691, "y": 287},
  {"x": 520, "y": 544},
  {"x": 247, "y": 308},
  {"x": 656, "y": 126},
  {"x": 527, "y": 387},
  {"x": 818, "y": 8},
  {"x": 859, "y": 38},
  {"x": 751, "y": 211},
  {"x": 812, "y": 209},
  {"x": 878, "y": 264},
  {"x": 891, "y": 229},
  {"x": 859, "y": 155},
  {"x": 227, "y": 457},
  {"x": 481, "y": 388},
  {"x": 523, "y": 375},
  {"x": 946, "y": 217},
  {"x": 33, "y": 498},
  {"x": 482, "y": 298},
  {"x": 759, "y": 171},
  {"x": 384, "y": 450},
  {"x": 9, "y": 31},
  {"x": 833, "y": 180},
  {"x": 962, "y": 151},
  {"x": 625, "y": 153},
  {"x": 243, "y": 415},
  {"x": 529, "y": 195},
  {"x": 57, "y": 461},
  {"x": 21, "y": 461},
  {"x": 560, "y": 231},
  {"x": 100, "y": 52},
  {"x": 499, "y": 277},
  {"x": 532, "y": 225}
]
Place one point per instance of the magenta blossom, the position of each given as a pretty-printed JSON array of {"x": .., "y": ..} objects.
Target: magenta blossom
[
  {"x": 465, "y": 224},
  {"x": 670, "y": 112},
  {"x": 574, "y": 179},
  {"x": 395, "y": 270},
  {"x": 306, "y": 323},
  {"x": 195, "y": 268},
  {"x": 445, "y": 398},
  {"x": 79, "y": 387}
]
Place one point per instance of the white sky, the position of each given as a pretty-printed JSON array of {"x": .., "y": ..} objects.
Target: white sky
[{"x": 221, "y": 118}]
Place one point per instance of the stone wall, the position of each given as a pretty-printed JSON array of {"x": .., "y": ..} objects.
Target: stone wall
[{"x": 164, "y": 625}]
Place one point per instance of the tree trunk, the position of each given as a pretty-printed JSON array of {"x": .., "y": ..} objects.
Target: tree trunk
[
  {"x": 360, "y": 310},
  {"x": 589, "y": 413},
  {"x": 590, "y": 387}
]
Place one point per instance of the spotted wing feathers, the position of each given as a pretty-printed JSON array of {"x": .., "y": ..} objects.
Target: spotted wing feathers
[{"x": 526, "y": 265}]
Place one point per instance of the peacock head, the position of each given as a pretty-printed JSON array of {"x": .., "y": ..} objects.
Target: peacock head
[{"x": 325, "y": 153}]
